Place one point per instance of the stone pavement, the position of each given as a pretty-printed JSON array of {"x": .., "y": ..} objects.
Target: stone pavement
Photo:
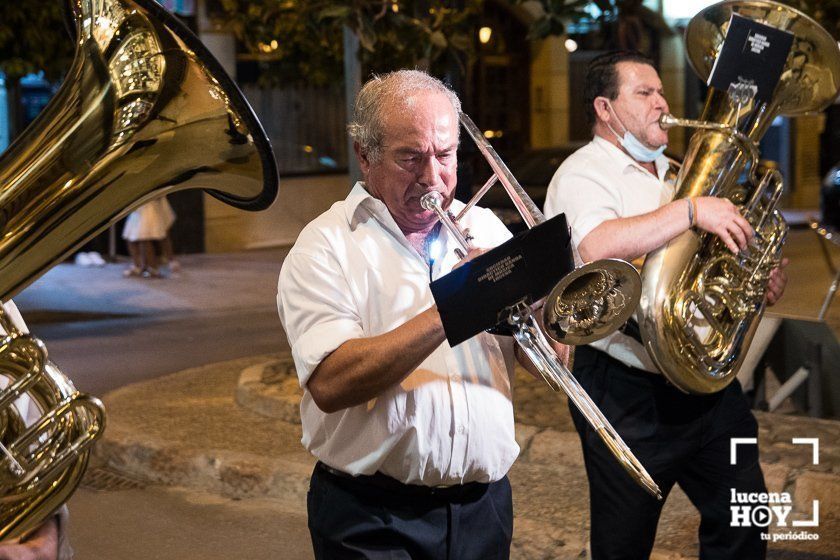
[
  {"x": 233, "y": 430},
  {"x": 215, "y": 452}
]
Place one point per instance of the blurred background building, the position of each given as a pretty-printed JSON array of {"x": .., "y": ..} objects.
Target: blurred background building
[{"x": 518, "y": 68}]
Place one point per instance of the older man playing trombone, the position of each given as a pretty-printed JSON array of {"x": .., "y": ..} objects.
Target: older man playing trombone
[{"x": 413, "y": 438}]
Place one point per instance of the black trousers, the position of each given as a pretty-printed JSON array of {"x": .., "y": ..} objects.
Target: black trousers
[
  {"x": 378, "y": 517},
  {"x": 680, "y": 439}
]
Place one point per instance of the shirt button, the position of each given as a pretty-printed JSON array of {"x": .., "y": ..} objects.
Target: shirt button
[
  {"x": 461, "y": 430},
  {"x": 456, "y": 378}
]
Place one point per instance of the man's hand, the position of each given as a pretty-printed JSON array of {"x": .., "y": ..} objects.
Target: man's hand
[
  {"x": 470, "y": 256},
  {"x": 721, "y": 217},
  {"x": 41, "y": 545},
  {"x": 778, "y": 281},
  {"x": 564, "y": 352}
]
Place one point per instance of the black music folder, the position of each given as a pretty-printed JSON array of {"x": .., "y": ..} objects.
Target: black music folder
[
  {"x": 752, "y": 55},
  {"x": 471, "y": 298}
]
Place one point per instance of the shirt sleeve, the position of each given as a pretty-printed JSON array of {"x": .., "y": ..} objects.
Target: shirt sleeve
[
  {"x": 493, "y": 231},
  {"x": 586, "y": 202},
  {"x": 14, "y": 316},
  {"x": 316, "y": 308}
]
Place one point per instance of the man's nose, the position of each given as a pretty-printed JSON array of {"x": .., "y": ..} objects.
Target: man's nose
[
  {"x": 661, "y": 103},
  {"x": 430, "y": 171}
]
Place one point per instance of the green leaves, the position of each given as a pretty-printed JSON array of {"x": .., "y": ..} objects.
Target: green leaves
[
  {"x": 392, "y": 34},
  {"x": 438, "y": 39},
  {"x": 335, "y": 12},
  {"x": 32, "y": 38},
  {"x": 554, "y": 15}
]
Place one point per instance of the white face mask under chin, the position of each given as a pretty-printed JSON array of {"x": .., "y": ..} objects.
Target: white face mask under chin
[{"x": 633, "y": 145}]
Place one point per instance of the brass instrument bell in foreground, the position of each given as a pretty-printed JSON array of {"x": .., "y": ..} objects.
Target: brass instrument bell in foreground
[{"x": 144, "y": 110}]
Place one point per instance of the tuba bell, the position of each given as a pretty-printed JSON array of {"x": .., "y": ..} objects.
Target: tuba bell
[
  {"x": 144, "y": 110},
  {"x": 700, "y": 304}
]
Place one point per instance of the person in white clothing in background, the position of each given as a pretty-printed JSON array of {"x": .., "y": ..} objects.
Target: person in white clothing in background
[{"x": 145, "y": 227}]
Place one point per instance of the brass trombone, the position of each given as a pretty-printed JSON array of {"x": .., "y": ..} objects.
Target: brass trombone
[{"x": 586, "y": 305}]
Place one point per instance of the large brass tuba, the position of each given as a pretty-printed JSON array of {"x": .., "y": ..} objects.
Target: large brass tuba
[
  {"x": 144, "y": 110},
  {"x": 701, "y": 304}
]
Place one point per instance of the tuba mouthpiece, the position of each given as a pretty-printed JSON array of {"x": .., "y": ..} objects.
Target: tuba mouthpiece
[{"x": 666, "y": 121}]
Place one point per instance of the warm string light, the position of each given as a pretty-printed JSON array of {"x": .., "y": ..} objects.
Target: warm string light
[{"x": 268, "y": 47}]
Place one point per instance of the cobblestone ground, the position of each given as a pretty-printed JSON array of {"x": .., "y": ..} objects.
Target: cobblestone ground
[
  {"x": 535, "y": 404},
  {"x": 238, "y": 435},
  {"x": 552, "y": 441}
]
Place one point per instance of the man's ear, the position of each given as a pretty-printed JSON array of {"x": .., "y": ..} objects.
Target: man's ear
[
  {"x": 362, "y": 157},
  {"x": 602, "y": 109}
]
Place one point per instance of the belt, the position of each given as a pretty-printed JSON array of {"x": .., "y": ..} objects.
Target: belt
[{"x": 389, "y": 484}]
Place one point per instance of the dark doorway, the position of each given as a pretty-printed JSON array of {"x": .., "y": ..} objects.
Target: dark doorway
[
  {"x": 496, "y": 93},
  {"x": 500, "y": 100}
]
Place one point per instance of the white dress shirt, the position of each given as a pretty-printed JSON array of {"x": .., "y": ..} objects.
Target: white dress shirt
[
  {"x": 600, "y": 182},
  {"x": 352, "y": 274}
]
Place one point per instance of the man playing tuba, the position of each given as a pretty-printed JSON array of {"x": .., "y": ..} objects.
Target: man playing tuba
[{"x": 617, "y": 197}]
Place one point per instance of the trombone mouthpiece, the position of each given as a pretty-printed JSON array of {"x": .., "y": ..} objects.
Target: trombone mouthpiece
[{"x": 430, "y": 201}]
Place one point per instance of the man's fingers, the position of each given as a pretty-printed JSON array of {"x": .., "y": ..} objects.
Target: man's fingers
[
  {"x": 745, "y": 226},
  {"x": 726, "y": 237},
  {"x": 563, "y": 352},
  {"x": 738, "y": 235},
  {"x": 774, "y": 295},
  {"x": 16, "y": 552},
  {"x": 777, "y": 283},
  {"x": 468, "y": 257}
]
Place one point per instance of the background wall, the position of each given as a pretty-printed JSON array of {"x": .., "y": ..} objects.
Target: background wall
[{"x": 299, "y": 201}]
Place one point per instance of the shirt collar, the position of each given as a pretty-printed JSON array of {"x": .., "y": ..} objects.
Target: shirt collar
[
  {"x": 361, "y": 206},
  {"x": 617, "y": 153},
  {"x": 357, "y": 197},
  {"x": 360, "y": 200}
]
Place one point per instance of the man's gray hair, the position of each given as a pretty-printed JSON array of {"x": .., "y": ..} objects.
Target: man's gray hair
[{"x": 367, "y": 126}]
